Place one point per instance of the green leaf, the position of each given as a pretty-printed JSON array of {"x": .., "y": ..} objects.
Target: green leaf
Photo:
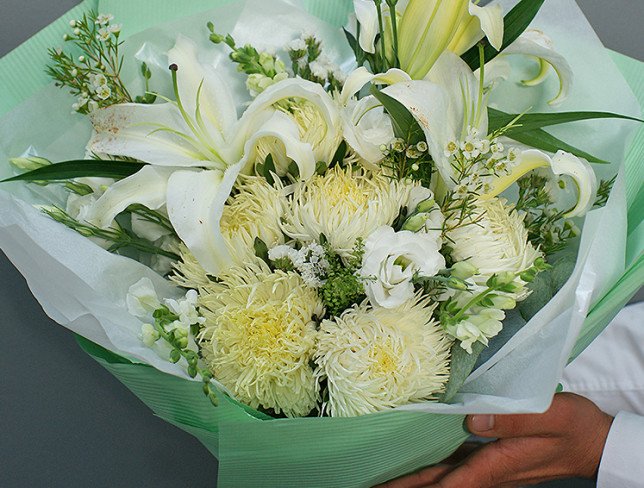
[
  {"x": 462, "y": 364},
  {"x": 261, "y": 250},
  {"x": 540, "y": 139},
  {"x": 529, "y": 122},
  {"x": 80, "y": 169},
  {"x": 405, "y": 125},
  {"x": 514, "y": 24}
]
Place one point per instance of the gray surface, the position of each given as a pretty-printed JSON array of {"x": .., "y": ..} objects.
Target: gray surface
[{"x": 66, "y": 421}]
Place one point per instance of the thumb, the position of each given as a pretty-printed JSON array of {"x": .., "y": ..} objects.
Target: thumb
[{"x": 557, "y": 419}]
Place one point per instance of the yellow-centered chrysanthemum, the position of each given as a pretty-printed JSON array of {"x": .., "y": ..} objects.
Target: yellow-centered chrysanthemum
[
  {"x": 496, "y": 242},
  {"x": 377, "y": 358},
  {"x": 253, "y": 211},
  {"x": 344, "y": 205},
  {"x": 259, "y": 337}
]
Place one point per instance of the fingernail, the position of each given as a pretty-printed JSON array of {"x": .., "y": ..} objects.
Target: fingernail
[{"x": 482, "y": 423}]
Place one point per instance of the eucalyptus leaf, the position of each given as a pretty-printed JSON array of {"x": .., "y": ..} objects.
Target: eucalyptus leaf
[
  {"x": 80, "y": 169},
  {"x": 514, "y": 24},
  {"x": 462, "y": 364},
  {"x": 405, "y": 125}
]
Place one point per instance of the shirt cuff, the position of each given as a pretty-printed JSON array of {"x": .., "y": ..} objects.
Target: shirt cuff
[{"x": 621, "y": 465}]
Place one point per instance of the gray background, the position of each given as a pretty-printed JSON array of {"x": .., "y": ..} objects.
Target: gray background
[{"x": 65, "y": 421}]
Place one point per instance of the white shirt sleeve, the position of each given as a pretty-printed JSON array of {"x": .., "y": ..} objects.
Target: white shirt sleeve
[{"x": 622, "y": 464}]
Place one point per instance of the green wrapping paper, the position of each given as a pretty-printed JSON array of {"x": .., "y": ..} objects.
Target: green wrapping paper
[{"x": 252, "y": 449}]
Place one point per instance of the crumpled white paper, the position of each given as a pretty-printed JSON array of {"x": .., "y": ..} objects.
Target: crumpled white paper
[{"x": 83, "y": 287}]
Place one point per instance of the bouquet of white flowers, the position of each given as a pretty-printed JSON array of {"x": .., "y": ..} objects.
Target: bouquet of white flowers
[{"x": 322, "y": 242}]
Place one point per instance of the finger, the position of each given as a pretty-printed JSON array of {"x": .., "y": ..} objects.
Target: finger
[
  {"x": 556, "y": 420},
  {"x": 489, "y": 467},
  {"x": 462, "y": 452},
  {"x": 419, "y": 479}
]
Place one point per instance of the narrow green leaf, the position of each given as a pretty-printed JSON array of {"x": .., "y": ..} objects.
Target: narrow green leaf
[
  {"x": 462, "y": 364},
  {"x": 261, "y": 250},
  {"x": 80, "y": 169},
  {"x": 515, "y": 23},
  {"x": 529, "y": 122},
  {"x": 540, "y": 139},
  {"x": 405, "y": 125}
]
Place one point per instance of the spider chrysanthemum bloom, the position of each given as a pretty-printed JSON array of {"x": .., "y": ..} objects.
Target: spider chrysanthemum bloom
[
  {"x": 378, "y": 359},
  {"x": 259, "y": 337},
  {"x": 253, "y": 211},
  {"x": 344, "y": 205},
  {"x": 496, "y": 242}
]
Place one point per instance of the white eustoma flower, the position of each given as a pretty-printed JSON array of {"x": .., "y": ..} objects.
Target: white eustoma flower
[
  {"x": 391, "y": 259},
  {"x": 142, "y": 299},
  {"x": 197, "y": 146}
]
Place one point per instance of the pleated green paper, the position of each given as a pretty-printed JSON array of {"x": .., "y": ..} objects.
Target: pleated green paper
[{"x": 308, "y": 452}]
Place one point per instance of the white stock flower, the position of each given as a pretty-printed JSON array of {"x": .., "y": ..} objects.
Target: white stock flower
[
  {"x": 378, "y": 359},
  {"x": 142, "y": 299},
  {"x": 479, "y": 327},
  {"x": 344, "y": 205},
  {"x": 391, "y": 259},
  {"x": 186, "y": 309}
]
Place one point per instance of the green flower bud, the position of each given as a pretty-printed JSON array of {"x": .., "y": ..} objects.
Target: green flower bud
[
  {"x": 415, "y": 222},
  {"x": 29, "y": 163},
  {"x": 463, "y": 270}
]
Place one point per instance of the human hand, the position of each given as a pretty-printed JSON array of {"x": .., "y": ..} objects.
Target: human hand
[{"x": 565, "y": 442}]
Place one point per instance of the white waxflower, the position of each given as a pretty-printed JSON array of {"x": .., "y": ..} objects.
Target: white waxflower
[
  {"x": 104, "y": 34},
  {"x": 104, "y": 19},
  {"x": 115, "y": 28},
  {"x": 376, "y": 359},
  {"x": 479, "y": 327},
  {"x": 345, "y": 206},
  {"x": 142, "y": 299},
  {"x": 259, "y": 337},
  {"x": 103, "y": 92},
  {"x": 391, "y": 259}
]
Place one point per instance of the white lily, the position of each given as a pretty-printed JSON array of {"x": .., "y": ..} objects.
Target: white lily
[
  {"x": 429, "y": 27},
  {"x": 561, "y": 164},
  {"x": 536, "y": 44},
  {"x": 201, "y": 131},
  {"x": 445, "y": 104},
  {"x": 364, "y": 122}
]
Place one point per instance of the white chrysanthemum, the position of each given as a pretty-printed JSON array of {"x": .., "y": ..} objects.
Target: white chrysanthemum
[
  {"x": 188, "y": 272},
  {"x": 378, "y": 359},
  {"x": 497, "y": 242},
  {"x": 254, "y": 211},
  {"x": 343, "y": 205},
  {"x": 259, "y": 337}
]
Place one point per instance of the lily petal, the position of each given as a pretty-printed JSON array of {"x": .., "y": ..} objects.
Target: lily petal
[
  {"x": 216, "y": 103},
  {"x": 561, "y": 164},
  {"x": 285, "y": 136},
  {"x": 481, "y": 22},
  {"x": 195, "y": 203},
  {"x": 147, "y": 187},
  {"x": 537, "y": 44},
  {"x": 426, "y": 29},
  {"x": 150, "y": 133},
  {"x": 367, "y": 17},
  {"x": 361, "y": 76},
  {"x": 582, "y": 174},
  {"x": 365, "y": 127}
]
